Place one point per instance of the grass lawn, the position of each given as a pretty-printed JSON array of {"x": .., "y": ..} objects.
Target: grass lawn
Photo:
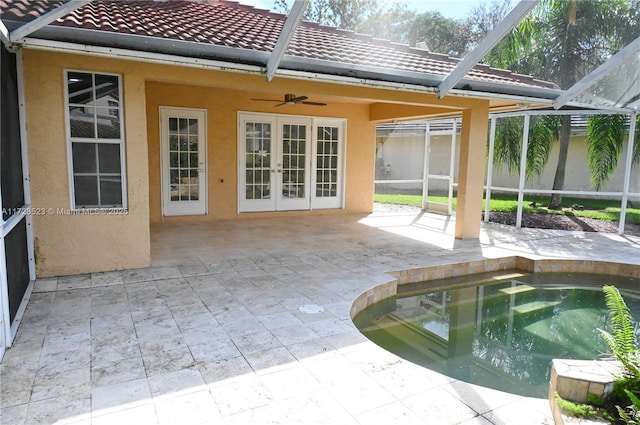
[{"x": 593, "y": 208}]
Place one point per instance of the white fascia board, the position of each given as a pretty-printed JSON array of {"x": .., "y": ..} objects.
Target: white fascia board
[
  {"x": 44, "y": 20},
  {"x": 290, "y": 25},
  {"x": 232, "y": 58},
  {"x": 597, "y": 74},
  {"x": 492, "y": 38},
  {"x": 168, "y": 59},
  {"x": 136, "y": 55}
]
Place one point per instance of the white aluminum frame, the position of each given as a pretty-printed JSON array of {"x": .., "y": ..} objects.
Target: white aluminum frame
[
  {"x": 597, "y": 74},
  {"x": 625, "y": 194},
  {"x": 491, "y": 39},
  {"x": 4, "y": 34},
  {"x": 44, "y": 20},
  {"x": 290, "y": 25},
  {"x": 425, "y": 180},
  {"x": 25, "y": 163},
  {"x": 10, "y": 329}
]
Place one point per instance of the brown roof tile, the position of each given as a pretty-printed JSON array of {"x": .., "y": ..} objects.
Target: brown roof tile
[{"x": 230, "y": 24}]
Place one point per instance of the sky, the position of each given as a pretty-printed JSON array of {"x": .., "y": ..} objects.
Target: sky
[{"x": 449, "y": 8}]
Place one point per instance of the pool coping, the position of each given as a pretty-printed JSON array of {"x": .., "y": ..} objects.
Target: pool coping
[
  {"x": 577, "y": 373},
  {"x": 469, "y": 268}
]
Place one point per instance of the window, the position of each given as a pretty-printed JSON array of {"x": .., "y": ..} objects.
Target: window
[{"x": 96, "y": 141}]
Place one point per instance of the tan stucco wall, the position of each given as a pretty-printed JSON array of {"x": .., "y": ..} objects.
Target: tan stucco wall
[
  {"x": 80, "y": 244},
  {"x": 473, "y": 141},
  {"x": 222, "y": 106},
  {"x": 71, "y": 244},
  {"x": 405, "y": 155}
]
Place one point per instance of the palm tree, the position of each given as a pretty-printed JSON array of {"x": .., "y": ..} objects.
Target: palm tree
[{"x": 562, "y": 41}]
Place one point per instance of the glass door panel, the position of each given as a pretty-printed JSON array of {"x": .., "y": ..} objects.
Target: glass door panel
[
  {"x": 256, "y": 186},
  {"x": 257, "y": 160},
  {"x": 293, "y": 161},
  {"x": 289, "y": 163},
  {"x": 328, "y": 164},
  {"x": 292, "y": 169},
  {"x": 184, "y": 161}
]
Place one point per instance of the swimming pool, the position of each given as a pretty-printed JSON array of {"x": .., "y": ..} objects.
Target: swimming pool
[{"x": 499, "y": 330}]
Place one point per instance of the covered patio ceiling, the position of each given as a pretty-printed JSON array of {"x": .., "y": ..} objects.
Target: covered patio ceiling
[{"x": 620, "y": 71}]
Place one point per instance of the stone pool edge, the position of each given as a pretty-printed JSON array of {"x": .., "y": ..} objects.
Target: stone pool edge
[
  {"x": 424, "y": 274},
  {"x": 579, "y": 378}
]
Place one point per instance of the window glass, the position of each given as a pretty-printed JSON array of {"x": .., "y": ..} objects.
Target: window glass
[
  {"x": 109, "y": 157},
  {"x": 82, "y": 122},
  {"x": 97, "y": 146},
  {"x": 84, "y": 157},
  {"x": 108, "y": 123},
  {"x": 86, "y": 190},
  {"x": 110, "y": 190}
]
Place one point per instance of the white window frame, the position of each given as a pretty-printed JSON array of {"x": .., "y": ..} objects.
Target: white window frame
[{"x": 72, "y": 140}]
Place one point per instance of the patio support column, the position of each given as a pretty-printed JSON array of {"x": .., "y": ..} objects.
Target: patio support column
[{"x": 473, "y": 142}]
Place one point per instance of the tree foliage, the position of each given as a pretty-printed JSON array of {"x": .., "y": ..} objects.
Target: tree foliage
[
  {"x": 344, "y": 14},
  {"x": 562, "y": 41},
  {"x": 397, "y": 23}
]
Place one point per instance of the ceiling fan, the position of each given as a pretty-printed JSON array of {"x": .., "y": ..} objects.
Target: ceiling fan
[{"x": 292, "y": 99}]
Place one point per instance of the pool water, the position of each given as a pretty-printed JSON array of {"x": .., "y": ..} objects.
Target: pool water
[{"x": 500, "y": 333}]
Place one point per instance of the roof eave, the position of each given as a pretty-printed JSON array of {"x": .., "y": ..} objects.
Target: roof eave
[{"x": 289, "y": 64}]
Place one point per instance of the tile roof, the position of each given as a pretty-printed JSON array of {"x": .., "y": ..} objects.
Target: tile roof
[{"x": 230, "y": 24}]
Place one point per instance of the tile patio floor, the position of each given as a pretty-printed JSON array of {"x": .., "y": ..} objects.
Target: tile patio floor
[{"x": 212, "y": 332}]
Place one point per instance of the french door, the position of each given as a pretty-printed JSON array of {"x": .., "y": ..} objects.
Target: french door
[
  {"x": 289, "y": 163},
  {"x": 184, "y": 167}
]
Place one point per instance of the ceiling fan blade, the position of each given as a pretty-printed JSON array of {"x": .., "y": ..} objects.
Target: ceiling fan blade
[
  {"x": 298, "y": 99},
  {"x": 268, "y": 100},
  {"x": 314, "y": 103},
  {"x": 283, "y": 103}
]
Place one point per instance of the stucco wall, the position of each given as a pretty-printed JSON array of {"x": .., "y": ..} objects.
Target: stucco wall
[
  {"x": 578, "y": 176},
  {"x": 71, "y": 244},
  {"x": 222, "y": 106},
  {"x": 80, "y": 244},
  {"x": 405, "y": 154}
]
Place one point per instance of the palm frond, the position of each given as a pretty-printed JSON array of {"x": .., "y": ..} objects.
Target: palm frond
[
  {"x": 507, "y": 144},
  {"x": 544, "y": 131},
  {"x": 605, "y": 141}
]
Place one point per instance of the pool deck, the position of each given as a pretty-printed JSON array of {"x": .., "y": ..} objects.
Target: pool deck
[{"x": 213, "y": 333}]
